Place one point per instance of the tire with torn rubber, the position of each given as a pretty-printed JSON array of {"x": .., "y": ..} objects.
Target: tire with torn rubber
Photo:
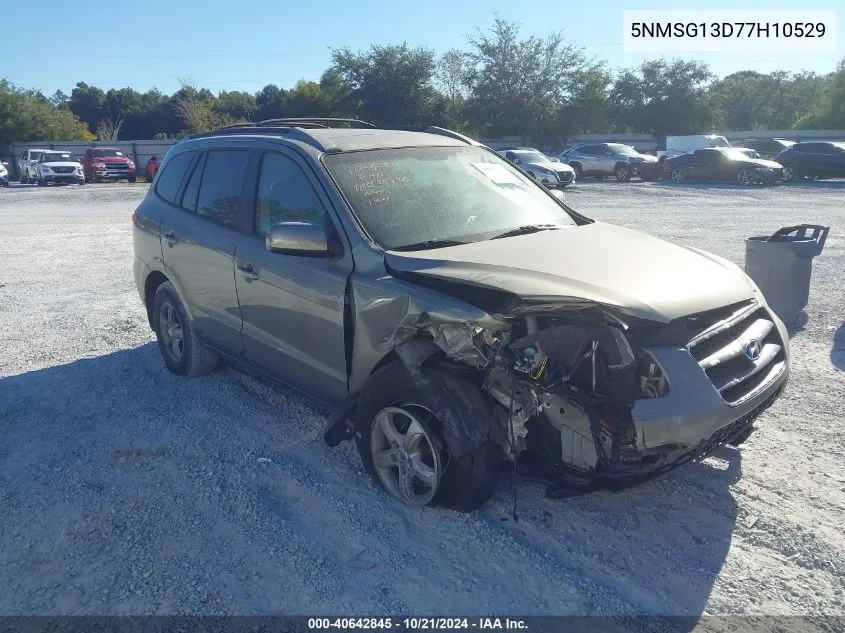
[
  {"x": 182, "y": 351},
  {"x": 466, "y": 482}
]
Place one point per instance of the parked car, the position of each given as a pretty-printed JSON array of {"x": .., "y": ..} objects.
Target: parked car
[
  {"x": 58, "y": 167},
  {"x": 768, "y": 148},
  {"x": 451, "y": 311},
  {"x": 722, "y": 164},
  {"x": 539, "y": 166},
  {"x": 26, "y": 164},
  {"x": 678, "y": 145},
  {"x": 107, "y": 163},
  {"x": 4, "y": 174},
  {"x": 813, "y": 159},
  {"x": 611, "y": 159}
]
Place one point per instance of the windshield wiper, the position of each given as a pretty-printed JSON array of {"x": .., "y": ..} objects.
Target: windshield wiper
[
  {"x": 421, "y": 246},
  {"x": 525, "y": 230}
]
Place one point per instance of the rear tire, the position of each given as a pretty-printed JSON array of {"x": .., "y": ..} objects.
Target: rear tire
[
  {"x": 182, "y": 351},
  {"x": 466, "y": 482},
  {"x": 678, "y": 175},
  {"x": 23, "y": 179}
]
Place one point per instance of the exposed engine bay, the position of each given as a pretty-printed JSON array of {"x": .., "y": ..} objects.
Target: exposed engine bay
[{"x": 563, "y": 383}]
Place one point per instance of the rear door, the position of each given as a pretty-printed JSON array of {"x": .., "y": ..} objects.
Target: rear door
[
  {"x": 831, "y": 160},
  {"x": 292, "y": 305},
  {"x": 199, "y": 238}
]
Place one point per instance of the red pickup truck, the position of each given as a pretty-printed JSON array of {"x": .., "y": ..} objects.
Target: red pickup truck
[{"x": 107, "y": 163}]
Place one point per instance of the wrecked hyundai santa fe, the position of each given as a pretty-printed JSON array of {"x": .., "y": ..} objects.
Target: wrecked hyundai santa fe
[{"x": 457, "y": 317}]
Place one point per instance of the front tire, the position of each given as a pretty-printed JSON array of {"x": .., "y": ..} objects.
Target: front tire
[
  {"x": 745, "y": 177},
  {"x": 182, "y": 351},
  {"x": 133, "y": 179},
  {"x": 623, "y": 173},
  {"x": 579, "y": 171},
  {"x": 788, "y": 174},
  {"x": 401, "y": 444},
  {"x": 23, "y": 179}
]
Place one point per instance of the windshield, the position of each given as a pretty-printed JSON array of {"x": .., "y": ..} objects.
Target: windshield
[
  {"x": 57, "y": 157},
  {"x": 432, "y": 194},
  {"x": 107, "y": 153},
  {"x": 34, "y": 155},
  {"x": 530, "y": 156},
  {"x": 840, "y": 145},
  {"x": 625, "y": 150}
]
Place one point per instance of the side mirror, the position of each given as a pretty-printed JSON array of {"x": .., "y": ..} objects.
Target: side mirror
[
  {"x": 557, "y": 193},
  {"x": 298, "y": 238}
]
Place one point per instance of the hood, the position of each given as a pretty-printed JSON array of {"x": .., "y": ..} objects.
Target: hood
[
  {"x": 647, "y": 158},
  {"x": 62, "y": 163},
  {"x": 762, "y": 162},
  {"x": 639, "y": 274},
  {"x": 111, "y": 159},
  {"x": 556, "y": 167}
]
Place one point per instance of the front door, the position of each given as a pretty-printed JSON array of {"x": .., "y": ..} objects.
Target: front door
[{"x": 292, "y": 305}]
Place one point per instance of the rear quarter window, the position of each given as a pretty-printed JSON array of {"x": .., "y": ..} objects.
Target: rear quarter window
[
  {"x": 222, "y": 184},
  {"x": 171, "y": 176}
]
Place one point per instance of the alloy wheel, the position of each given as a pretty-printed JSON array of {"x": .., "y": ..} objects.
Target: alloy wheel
[
  {"x": 744, "y": 177},
  {"x": 170, "y": 329},
  {"x": 678, "y": 174},
  {"x": 404, "y": 455}
]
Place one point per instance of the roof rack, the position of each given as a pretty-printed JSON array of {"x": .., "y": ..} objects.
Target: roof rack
[
  {"x": 297, "y": 128},
  {"x": 314, "y": 121}
]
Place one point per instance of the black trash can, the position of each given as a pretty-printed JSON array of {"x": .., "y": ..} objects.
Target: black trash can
[{"x": 781, "y": 265}]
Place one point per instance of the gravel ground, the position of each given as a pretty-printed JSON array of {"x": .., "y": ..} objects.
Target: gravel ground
[{"x": 127, "y": 490}]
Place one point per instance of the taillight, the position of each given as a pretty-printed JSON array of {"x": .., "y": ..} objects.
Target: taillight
[{"x": 135, "y": 217}]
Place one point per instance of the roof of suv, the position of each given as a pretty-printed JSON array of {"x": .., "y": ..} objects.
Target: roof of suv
[{"x": 315, "y": 137}]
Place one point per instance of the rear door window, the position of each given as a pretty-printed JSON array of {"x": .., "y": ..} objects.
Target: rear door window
[
  {"x": 172, "y": 175},
  {"x": 220, "y": 194},
  {"x": 189, "y": 198}
]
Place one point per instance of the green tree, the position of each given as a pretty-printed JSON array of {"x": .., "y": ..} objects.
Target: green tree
[
  {"x": 390, "y": 85},
  {"x": 664, "y": 97},
  {"x": 268, "y": 102},
  {"x": 88, "y": 103},
  {"x": 519, "y": 86},
  {"x": 26, "y": 115}
]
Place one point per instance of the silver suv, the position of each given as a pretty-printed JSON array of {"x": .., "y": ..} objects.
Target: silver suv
[
  {"x": 451, "y": 313},
  {"x": 548, "y": 172},
  {"x": 611, "y": 159}
]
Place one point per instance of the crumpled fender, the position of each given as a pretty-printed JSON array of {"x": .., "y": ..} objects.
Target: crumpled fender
[{"x": 465, "y": 414}]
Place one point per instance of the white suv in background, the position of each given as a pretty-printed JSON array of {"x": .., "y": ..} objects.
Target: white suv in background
[
  {"x": 58, "y": 167},
  {"x": 26, "y": 164}
]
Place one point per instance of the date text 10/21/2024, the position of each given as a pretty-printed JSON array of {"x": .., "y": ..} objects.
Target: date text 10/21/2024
[{"x": 418, "y": 623}]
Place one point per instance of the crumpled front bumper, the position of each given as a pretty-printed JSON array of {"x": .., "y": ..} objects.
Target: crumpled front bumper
[{"x": 693, "y": 410}]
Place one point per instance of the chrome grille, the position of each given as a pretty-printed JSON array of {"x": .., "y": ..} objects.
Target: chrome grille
[
  {"x": 741, "y": 353},
  {"x": 64, "y": 170}
]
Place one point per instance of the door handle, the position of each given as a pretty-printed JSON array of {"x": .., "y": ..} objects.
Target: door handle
[
  {"x": 248, "y": 272},
  {"x": 171, "y": 238}
]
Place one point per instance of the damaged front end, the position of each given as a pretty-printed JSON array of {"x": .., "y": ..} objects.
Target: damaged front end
[
  {"x": 566, "y": 384},
  {"x": 579, "y": 395},
  {"x": 565, "y": 380}
]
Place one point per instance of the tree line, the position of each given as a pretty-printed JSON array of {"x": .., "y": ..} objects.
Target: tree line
[{"x": 501, "y": 84}]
